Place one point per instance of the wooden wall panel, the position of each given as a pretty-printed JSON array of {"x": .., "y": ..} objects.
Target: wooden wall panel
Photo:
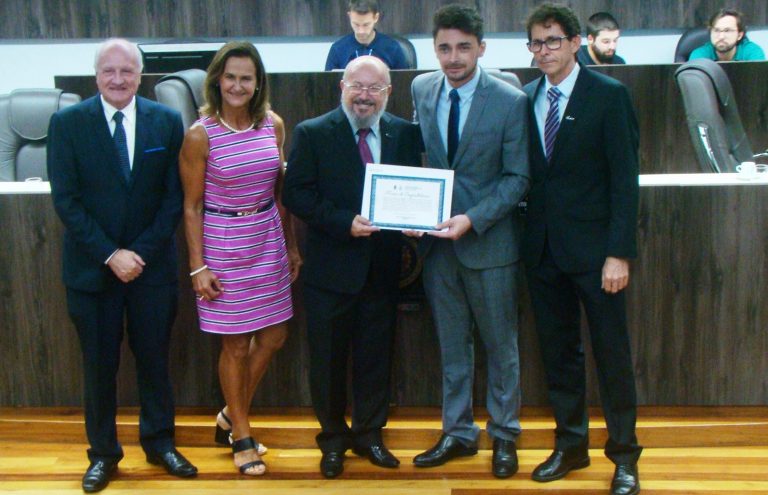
[{"x": 68, "y": 19}]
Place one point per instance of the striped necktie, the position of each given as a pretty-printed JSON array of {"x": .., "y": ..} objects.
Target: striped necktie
[
  {"x": 552, "y": 122},
  {"x": 121, "y": 143}
]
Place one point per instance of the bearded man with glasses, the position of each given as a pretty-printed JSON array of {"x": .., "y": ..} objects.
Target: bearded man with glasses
[
  {"x": 351, "y": 268},
  {"x": 728, "y": 39}
]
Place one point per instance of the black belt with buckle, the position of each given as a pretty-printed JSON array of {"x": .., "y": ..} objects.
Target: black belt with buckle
[{"x": 232, "y": 213}]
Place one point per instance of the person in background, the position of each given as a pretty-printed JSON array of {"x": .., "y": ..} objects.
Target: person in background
[
  {"x": 352, "y": 270},
  {"x": 728, "y": 39},
  {"x": 242, "y": 251},
  {"x": 365, "y": 39},
  {"x": 580, "y": 235},
  {"x": 602, "y": 38},
  {"x": 113, "y": 168}
]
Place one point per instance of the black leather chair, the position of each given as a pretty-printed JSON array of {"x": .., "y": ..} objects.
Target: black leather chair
[
  {"x": 182, "y": 91},
  {"x": 689, "y": 41},
  {"x": 24, "y": 118},
  {"x": 713, "y": 118},
  {"x": 408, "y": 50}
]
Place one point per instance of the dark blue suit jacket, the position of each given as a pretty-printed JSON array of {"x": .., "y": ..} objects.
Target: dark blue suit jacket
[
  {"x": 101, "y": 211},
  {"x": 324, "y": 187},
  {"x": 584, "y": 202}
]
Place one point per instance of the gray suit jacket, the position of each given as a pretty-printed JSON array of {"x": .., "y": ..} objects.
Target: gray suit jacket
[{"x": 491, "y": 171}]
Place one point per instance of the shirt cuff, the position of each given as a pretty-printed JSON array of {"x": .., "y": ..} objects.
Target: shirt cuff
[{"x": 106, "y": 262}]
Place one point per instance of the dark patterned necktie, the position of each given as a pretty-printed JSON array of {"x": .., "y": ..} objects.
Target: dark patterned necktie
[
  {"x": 453, "y": 125},
  {"x": 362, "y": 146},
  {"x": 121, "y": 143},
  {"x": 552, "y": 123}
]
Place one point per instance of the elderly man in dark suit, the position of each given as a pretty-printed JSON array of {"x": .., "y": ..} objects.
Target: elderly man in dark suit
[
  {"x": 580, "y": 234},
  {"x": 476, "y": 125},
  {"x": 112, "y": 163},
  {"x": 351, "y": 268}
]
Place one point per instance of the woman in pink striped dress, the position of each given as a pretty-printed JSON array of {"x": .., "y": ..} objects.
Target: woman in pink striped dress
[{"x": 242, "y": 257}]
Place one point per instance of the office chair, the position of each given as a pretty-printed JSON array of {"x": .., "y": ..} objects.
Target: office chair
[
  {"x": 689, "y": 41},
  {"x": 182, "y": 91},
  {"x": 713, "y": 118},
  {"x": 24, "y": 118}
]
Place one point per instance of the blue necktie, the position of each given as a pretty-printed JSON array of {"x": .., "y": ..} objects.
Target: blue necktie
[
  {"x": 453, "y": 125},
  {"x": 121, "y": 143},
  {"x": 552, "y": 123}
]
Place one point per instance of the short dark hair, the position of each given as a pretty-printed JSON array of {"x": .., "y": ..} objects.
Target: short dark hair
[
  {"x": 549, "y": 12},
  {"x": 363, "y": 6},
  {"x": 729, "y": 12},
  {"x": 601, "y": 21},
  {"x": 259, "y": 104},
  {"x": 456, "y": 16}
]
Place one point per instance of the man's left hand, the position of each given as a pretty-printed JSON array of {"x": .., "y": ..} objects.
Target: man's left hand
[
  {"x": 615, "y": 274},
  {"x": 457, "y": 226}
]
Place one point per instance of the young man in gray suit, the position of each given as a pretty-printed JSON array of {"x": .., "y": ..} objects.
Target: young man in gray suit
[{"x": 477, "y": 126}]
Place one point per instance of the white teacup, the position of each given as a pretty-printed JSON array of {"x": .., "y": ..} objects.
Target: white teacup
[{"x": 747, "y": 169}]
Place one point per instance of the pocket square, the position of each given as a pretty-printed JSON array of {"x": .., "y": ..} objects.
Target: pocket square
[{"x": 152, "y": 150}]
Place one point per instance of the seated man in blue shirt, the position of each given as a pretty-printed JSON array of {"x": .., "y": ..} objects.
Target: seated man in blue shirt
[
  {"x": 602, "y": 38},
  {"x": 728, "y": 39},
  {"x": 365, "y": 40}
]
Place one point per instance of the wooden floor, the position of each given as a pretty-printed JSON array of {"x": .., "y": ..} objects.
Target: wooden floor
[{"x": 687, "y": 451}]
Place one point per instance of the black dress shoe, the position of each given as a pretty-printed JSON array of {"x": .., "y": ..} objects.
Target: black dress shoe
[
  {"x": 378, "y": 455},
  {"x": 97, "y": 475},
  {"x": 626, "y": 480},
  {"x": 504, "y": 461},
  {"x": 447, "y": 448},
  {"x": 173, "y": 462},
  {"x": 560, "y": 463},
  {"x": 332, "y": 464}
]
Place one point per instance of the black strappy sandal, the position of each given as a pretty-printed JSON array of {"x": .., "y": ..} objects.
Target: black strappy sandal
[
  {"x": 242, "y": 445},
  {"x": 224, "y": 437}
]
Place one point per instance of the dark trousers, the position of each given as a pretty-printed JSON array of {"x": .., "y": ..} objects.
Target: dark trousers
[
  {"x": 339, "y": 326},
  {"x": 146, "y": 314},
  {"x": 555, "y": 296}
]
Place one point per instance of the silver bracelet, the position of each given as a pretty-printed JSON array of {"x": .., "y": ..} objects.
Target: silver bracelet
[{"x": 195, "y": 272}]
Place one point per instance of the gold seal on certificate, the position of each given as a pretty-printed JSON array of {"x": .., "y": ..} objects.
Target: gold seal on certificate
[{"x": 406, "y": 198}]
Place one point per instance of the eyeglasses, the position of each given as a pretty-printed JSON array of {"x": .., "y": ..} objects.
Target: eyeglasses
[
  {"x": 553, "y": 43},
  {"x": 724, "y": 31},
  {"x": 357, "y": 89}
]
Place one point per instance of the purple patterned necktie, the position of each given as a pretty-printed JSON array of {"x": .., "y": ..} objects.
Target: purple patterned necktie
[
  {"x": 362, "y": 146},
  {"x": 552, "y": 123}
]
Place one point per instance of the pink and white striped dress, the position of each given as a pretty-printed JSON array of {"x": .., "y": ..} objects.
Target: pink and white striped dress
[{"x": 247, "y": 253}]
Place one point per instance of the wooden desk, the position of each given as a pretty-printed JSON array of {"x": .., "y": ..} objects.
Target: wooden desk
[{"x": 697, "y": 313}]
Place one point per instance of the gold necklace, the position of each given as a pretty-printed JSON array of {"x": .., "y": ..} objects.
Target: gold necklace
[{"x": 225, "y": 124}]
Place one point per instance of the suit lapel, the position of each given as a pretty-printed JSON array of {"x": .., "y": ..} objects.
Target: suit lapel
[
  {"x": 533, "y": 92},
  {"x": 100, "y": 130},
  {"x": 346, "y": 147},
  {"x": 388, "y": 149},
  {"x": 142, "y": 128},
  {"x": 574, "y": 112},
  {"x": 479, "y": 100},
  {"x": 428, "y": 119}
]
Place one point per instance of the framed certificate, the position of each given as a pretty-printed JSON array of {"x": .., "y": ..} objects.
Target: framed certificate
[{"x": 406, "y": 198}]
